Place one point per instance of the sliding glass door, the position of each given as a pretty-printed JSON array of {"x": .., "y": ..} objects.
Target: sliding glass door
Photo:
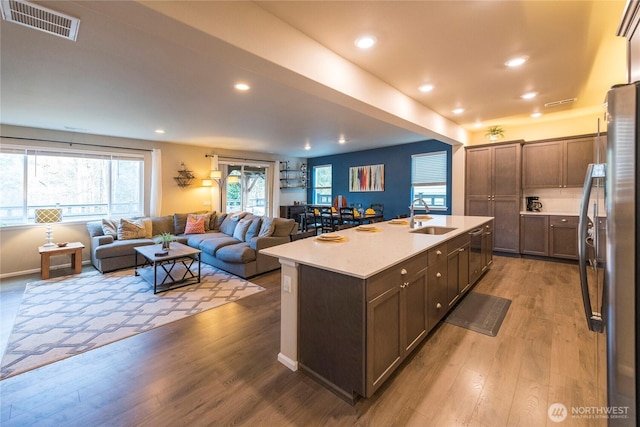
[{"x": 247, "y": 189}]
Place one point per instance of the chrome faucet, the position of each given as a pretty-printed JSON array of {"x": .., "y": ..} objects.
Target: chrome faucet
[{"x": 426, "y": 208}]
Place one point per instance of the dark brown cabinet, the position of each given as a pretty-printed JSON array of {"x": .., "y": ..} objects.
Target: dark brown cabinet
[
  {"x": 563, "y": 237},
  {"x": 384, "y": 345},
  {"x": 493, "y": 189},
  {"x": 558, "y": 163},
  {"x": 396, "y": 318},
  {"x": 353, "y": 333},
  {"x": 293, "y": 212},
  {"x": 549, "y": 235},
  {"x": 437, "y": 304},
  {"x": 457, "y": 268},
  {"x": 534, "y": 235}
]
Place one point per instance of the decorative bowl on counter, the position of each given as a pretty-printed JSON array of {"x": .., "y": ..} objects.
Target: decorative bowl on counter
[{"x": 62, "y": 244}]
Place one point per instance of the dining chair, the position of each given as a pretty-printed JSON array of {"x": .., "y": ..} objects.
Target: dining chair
[
  {"x": 347, "y": 217},
  {"x": 378, "y": 207},
  {"x": 311, "y": 221},
  {"x": 379, "y": 210},
  {"x": 327, "y": 220}
]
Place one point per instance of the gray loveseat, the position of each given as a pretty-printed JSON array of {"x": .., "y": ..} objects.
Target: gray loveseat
[{"x": 230, "y": 242}]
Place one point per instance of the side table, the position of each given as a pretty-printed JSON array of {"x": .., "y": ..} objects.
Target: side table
[{"x": 46, "y": 252}]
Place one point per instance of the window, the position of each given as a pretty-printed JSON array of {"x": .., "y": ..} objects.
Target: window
[
  {"x": 84, "y": 184},
  {"x": 249, "y": 191},
  {"x": 429, "y": 179},
  {"x": 322, "y": 185}
]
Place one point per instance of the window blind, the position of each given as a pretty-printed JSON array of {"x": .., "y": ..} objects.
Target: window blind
[{"x": 429, "y": 168}]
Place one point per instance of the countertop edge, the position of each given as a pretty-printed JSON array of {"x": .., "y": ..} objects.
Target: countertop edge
[{"x": 340, "y": 259}]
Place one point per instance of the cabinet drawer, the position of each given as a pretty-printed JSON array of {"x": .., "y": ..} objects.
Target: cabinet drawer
[
  {"x": 563, "y": 221},
  {"x": 392, "y": 277},
  {"x": 457, "y": 242},
  {"x": 437, "y": 254}
]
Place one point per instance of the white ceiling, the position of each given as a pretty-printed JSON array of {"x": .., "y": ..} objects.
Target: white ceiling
[{"x": 136, "y": 67}]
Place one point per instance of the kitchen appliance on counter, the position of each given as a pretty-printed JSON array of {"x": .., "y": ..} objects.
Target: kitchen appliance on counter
[
  {"x": 609, "y": 235},
  {"x": 533, "y": 204}
]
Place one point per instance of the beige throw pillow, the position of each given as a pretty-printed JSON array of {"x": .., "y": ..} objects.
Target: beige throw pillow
[{"x": 131, "y": 229}]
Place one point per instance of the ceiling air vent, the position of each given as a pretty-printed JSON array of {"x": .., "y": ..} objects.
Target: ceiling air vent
[
  {"x": 564, "y": 101},
  {"x": 38, "y": 17}
]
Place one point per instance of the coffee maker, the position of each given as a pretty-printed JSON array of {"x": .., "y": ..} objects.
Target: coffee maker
[{"x": 533, "y": 204}]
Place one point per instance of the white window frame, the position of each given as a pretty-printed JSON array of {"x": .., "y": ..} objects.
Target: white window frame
[
  {"x": 70, "y": 212},
  {"x": 314, "y": 193}
]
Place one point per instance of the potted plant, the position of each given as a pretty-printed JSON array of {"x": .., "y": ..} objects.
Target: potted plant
[
  {"x": 494, "y": 133},
  {"x": 165, "y": 239}
]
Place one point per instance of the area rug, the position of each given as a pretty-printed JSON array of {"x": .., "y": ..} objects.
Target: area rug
[
  {"x": 480, "y": 313},
  {"x": 63, "y": 317}
]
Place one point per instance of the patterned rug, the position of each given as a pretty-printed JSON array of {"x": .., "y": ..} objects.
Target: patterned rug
[{"x": 66, "y": 316}]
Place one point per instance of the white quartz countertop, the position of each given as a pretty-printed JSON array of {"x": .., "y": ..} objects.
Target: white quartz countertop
[{"x": 363, "y": 253}]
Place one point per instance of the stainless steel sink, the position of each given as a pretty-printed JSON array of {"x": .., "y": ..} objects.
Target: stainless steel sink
[{"x": 433, "y": 230}]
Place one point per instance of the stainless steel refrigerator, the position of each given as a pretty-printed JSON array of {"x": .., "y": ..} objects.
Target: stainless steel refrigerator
[{"x": 609, "y": 235}]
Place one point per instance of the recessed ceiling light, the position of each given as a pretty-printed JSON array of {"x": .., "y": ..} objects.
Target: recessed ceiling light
[
  {"x": 342, "y": 140},
  {"x": 242, "y": 87},
  {"x": 536, "y": 115},
  {"x": 365, "y": 42},
  {"x": 425, "y": 88},
  {"x": 159, "y": 130},
  {"x": 516, "y": 62},
  {"x": 477, "y": 124},
  {"x": 307, "y": 146},
  {"x": 529, "y": 95},
  {"x": 459, "y": 110}
]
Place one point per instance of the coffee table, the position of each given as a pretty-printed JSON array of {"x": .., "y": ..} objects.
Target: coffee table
[{"x": 170, "y": 271}]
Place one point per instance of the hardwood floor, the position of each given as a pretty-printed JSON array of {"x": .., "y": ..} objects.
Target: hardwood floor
[{"x": 219, "y": 368}]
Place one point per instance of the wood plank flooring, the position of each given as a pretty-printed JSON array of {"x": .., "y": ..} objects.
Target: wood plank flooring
[{"x": 219, "y": 368}]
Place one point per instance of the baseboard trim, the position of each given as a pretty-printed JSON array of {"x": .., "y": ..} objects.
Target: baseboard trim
[
  {"x": 286, "y": 361},
  {"x": 37, "y": 270}
]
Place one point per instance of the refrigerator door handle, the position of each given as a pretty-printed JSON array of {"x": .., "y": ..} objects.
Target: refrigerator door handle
[{"x": 594, "y": 321}]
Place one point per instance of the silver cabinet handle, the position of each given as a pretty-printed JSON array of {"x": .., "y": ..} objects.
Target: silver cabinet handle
[
  {"x": 564, "y": 220},
  {"x": 461, "y": 250},
  {"x": 438, "y": 275},
  {"x": 438, "y": 306},
  {"x": 403, "y": 271},
  {"x": 438, "y": 253}
]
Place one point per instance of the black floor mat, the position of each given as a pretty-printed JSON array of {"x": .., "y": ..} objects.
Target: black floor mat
[{"x": 480, "y": 313}]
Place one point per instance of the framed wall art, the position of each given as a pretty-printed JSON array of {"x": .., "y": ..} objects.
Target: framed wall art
[{"x": 366, "y": 178}]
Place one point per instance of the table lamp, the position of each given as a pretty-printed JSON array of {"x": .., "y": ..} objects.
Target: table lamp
[{"x": 49, "y": 216}]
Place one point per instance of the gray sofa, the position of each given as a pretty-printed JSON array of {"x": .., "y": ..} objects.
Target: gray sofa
[{"x": 230, "y": 242}]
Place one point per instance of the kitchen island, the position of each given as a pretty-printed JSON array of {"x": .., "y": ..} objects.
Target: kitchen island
[{"x": 353, "y": 309}]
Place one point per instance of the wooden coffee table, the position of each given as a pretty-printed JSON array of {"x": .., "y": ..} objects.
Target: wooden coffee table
[
  {"x": 46, "y": 252},
  {"x": 171, "y": 271}
]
